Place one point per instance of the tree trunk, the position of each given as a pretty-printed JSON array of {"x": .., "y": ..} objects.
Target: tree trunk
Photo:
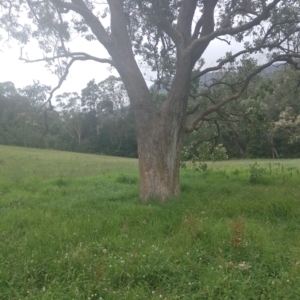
[
  {"x": 238, "y": 143},
  {"x": 160, "y": 132},
  {"x": 159, "y": 161},
  {"x": 274, "y": 151}
]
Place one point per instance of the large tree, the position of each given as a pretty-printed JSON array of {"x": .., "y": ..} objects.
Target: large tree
[{"x": 169, "y": 36}]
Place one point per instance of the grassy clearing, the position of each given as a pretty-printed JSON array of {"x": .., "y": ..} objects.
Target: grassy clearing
[{"x": 72, "y": 227}]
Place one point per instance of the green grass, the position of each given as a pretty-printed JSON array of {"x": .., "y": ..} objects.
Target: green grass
[{"x": 72, "y": 227}]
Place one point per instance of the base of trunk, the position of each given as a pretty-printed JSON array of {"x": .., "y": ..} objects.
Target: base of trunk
[{"x": 159, "y": 171}]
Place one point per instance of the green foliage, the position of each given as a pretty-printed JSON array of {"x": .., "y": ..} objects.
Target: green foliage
[
  {"x": 256, "y": 173},
  {"x": 69, "y": 231},
  {"x": 199, "y": 154},
  {"x": 76, "y": 124}
]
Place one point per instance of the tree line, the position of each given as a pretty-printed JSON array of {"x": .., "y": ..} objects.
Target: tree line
[
  {"x": 264, "y": 123},
  {"x": 96, "y": 121}
]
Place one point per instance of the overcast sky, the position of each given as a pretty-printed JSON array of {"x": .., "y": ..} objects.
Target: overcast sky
[{"x": 21, "y": 73}]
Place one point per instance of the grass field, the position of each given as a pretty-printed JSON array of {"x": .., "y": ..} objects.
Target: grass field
[{"x": 72, "y": 227}]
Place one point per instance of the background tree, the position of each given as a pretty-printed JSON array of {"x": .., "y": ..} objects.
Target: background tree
[
  {"x": 107, "y": 103},
  {"x": 170, "y": 37},
  {"x": 72, "y": 117},
  {"x": 282, "y": 107},
  {"x": 16, "y": 114}
]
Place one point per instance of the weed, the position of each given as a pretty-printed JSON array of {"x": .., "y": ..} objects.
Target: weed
[
  {"x": 126, "y": 179},
  {"x": 236, "y": 172},
  {"x": 192, "y": 224},
  {"x": 238, "y": 232},
  {"x": 256, "y": 173}
]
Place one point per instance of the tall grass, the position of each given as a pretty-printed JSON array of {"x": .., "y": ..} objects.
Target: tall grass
[{"x": 72, "y": 227}]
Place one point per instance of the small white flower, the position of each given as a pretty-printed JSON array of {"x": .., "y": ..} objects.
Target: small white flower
[{"x": 244, "y": 266}]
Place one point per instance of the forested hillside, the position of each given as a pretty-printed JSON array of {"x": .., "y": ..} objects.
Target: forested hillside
[{"x": 264, "y": 122}]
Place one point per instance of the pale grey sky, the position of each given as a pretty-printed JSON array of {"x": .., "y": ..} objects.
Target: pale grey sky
[{"x": 21, "y": 73}]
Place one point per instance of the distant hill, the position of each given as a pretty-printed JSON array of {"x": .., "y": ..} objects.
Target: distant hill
[{"x": 273, "y": 68}]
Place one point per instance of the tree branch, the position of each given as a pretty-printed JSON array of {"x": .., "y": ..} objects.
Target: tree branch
[
  {"x": 60, "y": 36},
  {"x": 75, "y": 55},
  {"x": 171, "y": 31},
  {"x": 231, "y": 58},
  {"x": 61, "y": 80},
  {"x": 208, "y": 26},
  {"x": 197, "y": 28},
  {"x": 201, "y": 115},
  {"x": 92, "y": 21},
  {"x": 185, "y": 19},
  {"x": 206, "y": 37}
]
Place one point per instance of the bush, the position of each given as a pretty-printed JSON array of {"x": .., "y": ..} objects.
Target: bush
[{"x": 256, "y": 173}]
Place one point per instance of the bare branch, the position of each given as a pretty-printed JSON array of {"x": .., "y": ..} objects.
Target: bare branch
[
  {"x": 224, "y": 40},
  {"x": 75, "y": 55},
  {"x": 61, "y": 80}
]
